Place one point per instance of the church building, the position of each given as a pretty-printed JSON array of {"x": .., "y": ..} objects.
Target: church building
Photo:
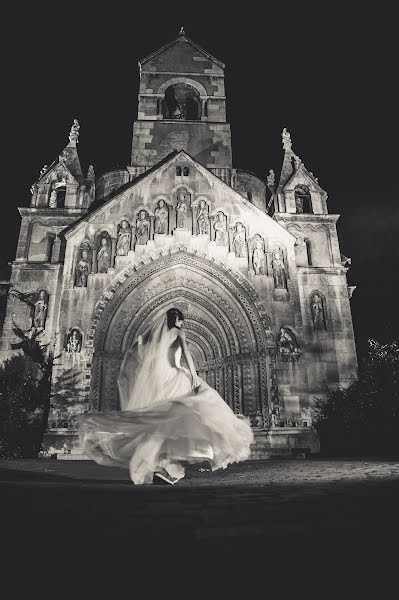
[{"x": 254, "y": 265}]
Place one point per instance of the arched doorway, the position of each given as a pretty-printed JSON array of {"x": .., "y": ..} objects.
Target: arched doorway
[{"x": 227, "y": 331}]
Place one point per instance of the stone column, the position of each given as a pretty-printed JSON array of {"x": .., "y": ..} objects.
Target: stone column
[
  {"x": 113, "y": 252},
  {"x": 211, "y": 228},
  {"x": 171, "y": 212},
  {"x": 152, "y": 225}
]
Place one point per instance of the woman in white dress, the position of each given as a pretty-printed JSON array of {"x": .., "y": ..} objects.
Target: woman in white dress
[{"x": 169, "y": 415}]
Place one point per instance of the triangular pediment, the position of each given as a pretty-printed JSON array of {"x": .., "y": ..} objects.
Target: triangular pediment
[
  {"x": 302, "y": 176},
  {"x": 224, "y": 197},
  {"x": 58, "y": 166},
  {"x": 182, "y": 41}
]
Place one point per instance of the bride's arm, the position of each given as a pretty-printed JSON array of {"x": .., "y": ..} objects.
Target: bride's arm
[{"x": 189, "y": 359}]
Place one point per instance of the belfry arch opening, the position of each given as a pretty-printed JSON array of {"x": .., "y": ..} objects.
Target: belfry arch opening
[{"x": 181, "y": 102}]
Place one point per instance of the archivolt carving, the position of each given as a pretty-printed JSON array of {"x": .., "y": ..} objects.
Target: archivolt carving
[
  {"x": 180, "y": 254},
  {"x": 232, "y": 329}
]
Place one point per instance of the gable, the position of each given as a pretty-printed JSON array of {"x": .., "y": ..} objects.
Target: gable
[
  {"x": 183, "y": 52},
  {"x": 200, "y": 184},
  {"x": 56, "y": 171},
  {"x": 302, "y": 176}
]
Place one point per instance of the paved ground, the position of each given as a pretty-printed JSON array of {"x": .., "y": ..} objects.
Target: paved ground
[{"x": 273, "y": 512}]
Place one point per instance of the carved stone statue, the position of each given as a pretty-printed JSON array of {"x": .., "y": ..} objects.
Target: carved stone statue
[
  {"x": 279, "y": 272},
  {"x": 40, "y": 313},
  {"x": 239, "y": 240},
  {"x": 287, "y": 343},
  {"x": 286, "y": 138},
  {"x": 202, "y": 218},
  {"x": 142, "y": 228},
  {"x": 181, "y": 210},
  {"x": 271, "y": 179},
  {"x": 90, "y": 173},
  {"x": 74, "y": 341},
  {"x": 298, "y": 204},
  {"x": 103, "y": 256},
  {"x": 82, "y": 270},
  {"x": 161, "y": 217},
  {"x": 258, "y": 255},
  {"x": 53, "y": 199},
  {"x": 43, "y": 171},
  {"x": 221, "y": 230},
  {"x": 317, "y": 308},
  {"x": 123, "y": 239},
  {"x": 74, "y": 133}
]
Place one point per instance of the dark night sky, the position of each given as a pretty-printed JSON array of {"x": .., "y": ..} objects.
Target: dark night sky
[{"x": 327, "y": 75}]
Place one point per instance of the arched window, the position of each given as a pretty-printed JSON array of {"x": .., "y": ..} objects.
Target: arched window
[
  {"x": 61, "y": 194},
  {"x": 178, "y": 171},
  {"x": 186, "y": 171},
  {"x": 182, "y": 102},
  {"x": 57, "y": 194},
  {"x": 309, "y": 251},
  {"x": 249, "y": 195},
  {"x": 303, "y": 201}
]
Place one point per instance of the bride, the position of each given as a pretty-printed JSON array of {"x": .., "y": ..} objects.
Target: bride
[{"x": 169, "y": 415}]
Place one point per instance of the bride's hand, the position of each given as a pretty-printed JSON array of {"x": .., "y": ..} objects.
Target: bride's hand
[{"x": 196, "y": 382}]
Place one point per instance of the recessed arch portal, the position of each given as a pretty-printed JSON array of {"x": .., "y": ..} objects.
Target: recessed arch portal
[{"x": 227, "y": 329}]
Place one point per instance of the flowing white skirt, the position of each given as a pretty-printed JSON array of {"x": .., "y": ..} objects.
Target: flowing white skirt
[{"x": 183, "y": 426}]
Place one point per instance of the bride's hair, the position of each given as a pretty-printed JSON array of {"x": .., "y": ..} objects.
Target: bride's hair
[{"x": 172, "y": 315}]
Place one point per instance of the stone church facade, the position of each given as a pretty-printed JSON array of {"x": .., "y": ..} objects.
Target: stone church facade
[{"x": 255, "y": 266}]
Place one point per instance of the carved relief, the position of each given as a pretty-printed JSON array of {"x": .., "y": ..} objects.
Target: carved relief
[
  {"x": 161, "y": 217},
  {"x": 318, "y": 311},
  {"x": 202, "y": 218},
  {"x": 143, "y": 225},
  {"x": 220, "y": 227},
  {"x": 238, "y": 240},
  {"x": 83, "y": 266},
  {"x": 279, "y": 270},
  {"x": 257, "y": 249},
  {"x": 40, "y": 310},
  {"x": 74, "y": 341},
  {"x": 123, "y": 239},
  {"x": 104, "y": 253},
  {"x": 182, "y": 210},
  {"x": 287, "y": 344}
]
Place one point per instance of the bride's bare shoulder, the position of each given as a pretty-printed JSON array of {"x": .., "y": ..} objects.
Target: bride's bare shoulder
[{"x": 181, "y": 335}]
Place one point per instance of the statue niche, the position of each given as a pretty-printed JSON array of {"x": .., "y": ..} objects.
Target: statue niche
[
  {"x": 202, "y": 218},
  {"x": 287, "y": 344},
  {"x": 142, "y": 228},
  {"x": 123, "y": 239},
  {"x": 279, "y": 270},
  {"x": 220, "y": 227},
  {"x": 40, "y": 310},
  {"x": 182, "y": 209},
  {"x": 74, "y": 341},
  {"x": 318, "y": 311},
  {"x": 104, "y": 253},
  {"x": 83, "y": 266},
  {"x": 258, "y": 255},
  {"x": 161, "y": 217},
  {"x": 238, "y": 242}
]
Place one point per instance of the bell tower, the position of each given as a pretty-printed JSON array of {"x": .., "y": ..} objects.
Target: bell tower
[{"x": 182, "y": 106}]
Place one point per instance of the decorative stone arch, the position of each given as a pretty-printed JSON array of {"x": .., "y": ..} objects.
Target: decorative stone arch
[
  {"x": 224, "y": 319},
  {"x": 192, "y": 82}
]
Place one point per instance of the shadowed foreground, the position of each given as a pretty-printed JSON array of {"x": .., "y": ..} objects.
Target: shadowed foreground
[{"x": 272, "y": 513}]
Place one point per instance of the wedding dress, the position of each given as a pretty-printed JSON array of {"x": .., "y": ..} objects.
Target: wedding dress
[{"x": 163, "y": 421}]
